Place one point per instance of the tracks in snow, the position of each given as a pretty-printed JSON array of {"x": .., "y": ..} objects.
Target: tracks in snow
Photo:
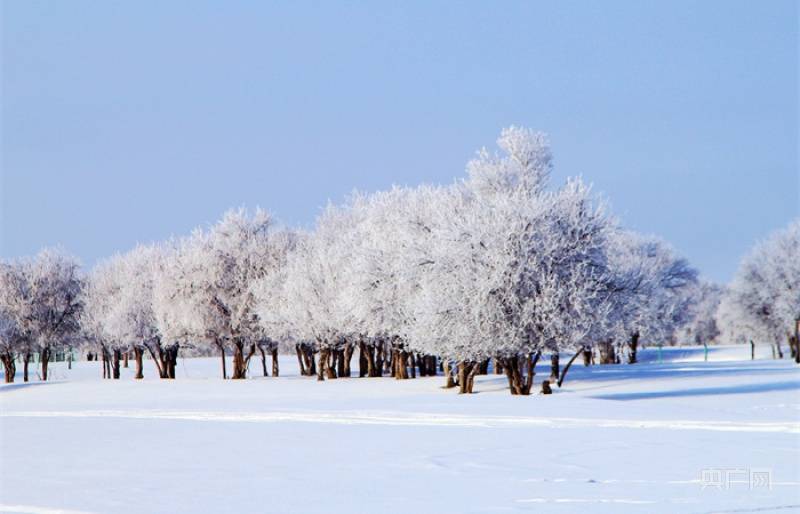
[{"x": 413, "y": 419}]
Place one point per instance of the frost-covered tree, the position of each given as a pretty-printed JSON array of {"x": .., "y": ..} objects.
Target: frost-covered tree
[
  {"x": 762, "y": 303},
  {"x": 16, "y": 338},
  {"x": 506, "y": 269},
  {"x": 119, "y": 315},
  {"x": 203, "y": 292},
  {"x": 316, "y": 275},
  {"x": 44, "y": 301},
  {"x": 650, "y": 293},
  {"x": 701, "y": 326}
]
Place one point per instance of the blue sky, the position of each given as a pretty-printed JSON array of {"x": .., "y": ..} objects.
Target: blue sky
[{"x": 130, "y": 122}]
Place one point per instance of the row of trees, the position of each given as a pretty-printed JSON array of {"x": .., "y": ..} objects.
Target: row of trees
[{"x": 495, "y": 266}]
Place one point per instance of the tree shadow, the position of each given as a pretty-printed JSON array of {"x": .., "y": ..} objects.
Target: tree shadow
[{"x": 704, "y": 391}]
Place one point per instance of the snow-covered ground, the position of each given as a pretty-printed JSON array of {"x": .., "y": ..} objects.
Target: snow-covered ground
[{"x": 678, "y": 436}]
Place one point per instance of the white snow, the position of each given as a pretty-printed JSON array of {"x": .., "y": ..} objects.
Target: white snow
[{"x": 640, "y": 438}]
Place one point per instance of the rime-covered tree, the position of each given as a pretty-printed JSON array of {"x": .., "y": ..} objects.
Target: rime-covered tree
[
  {"x": 44, "y": 300},
  {"x": 762, "y": 303},
  {"x": 204, "y": 290}
]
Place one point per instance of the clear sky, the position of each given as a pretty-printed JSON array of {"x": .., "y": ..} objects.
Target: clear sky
[{"x": 126, "y": 122}]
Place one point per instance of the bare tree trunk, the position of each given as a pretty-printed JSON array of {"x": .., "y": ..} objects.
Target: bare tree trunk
[
  {"x": 363, "y": 363},
  {"x": 323, "y": 362},
  {"x": 125, "y": 360},
  {"x": 581, "y": 351},
  {"x": 388, "y": 363},
  {"x": 400, "y": 359},
  {"x": 380, "y": 355},
  {"x": 412, "y": 364},
  {"x": 275, "y": 368},
  {"x": 45, "y": 361},
  {"x": 607, "y": 354},
  {"x": 340, "y": 362},
  {"x": 464, "y": 369},
  {"x": 263, "y": 361},
  {"x": 26, "y": 358},
  {"x": 348, "y": 357},
  {"x": 555, "y": 369},
  {"x": 137, "y": 355},
  {"x": 752, "y": 351},
  {"x": 222, "y": 356},
  {"x": 374, "y": 368},
  {"x": 634, "y": 346},
  {"x": 172, "y": 353},
  {"x": 778, "y": 347},
  {"x": 520, "y": 373},
  {"x": 587, "y": 356},
  {"x": 10, "y": 367},
  {"x": 299, "y": 352},
  {"x": 116, "y": 354},
  {"x": 240, "y": 360},
  {"x": 448, "y": 374},
  {"x": 330, "y": 365}
]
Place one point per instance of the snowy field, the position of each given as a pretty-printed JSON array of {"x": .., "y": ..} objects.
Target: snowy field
[{"x": 680, "y": 436}]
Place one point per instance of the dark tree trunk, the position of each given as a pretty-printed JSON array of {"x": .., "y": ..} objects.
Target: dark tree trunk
[
  {"x": 634, "y": 346},
  {"x": 380, "y": 353},
  {"x": 607, "y": 354},
  {"x": 116, "y": 354},
  {"x": 400, "y": 359},
  {"x": 587, "y": 357},
  {"x": 330, "y": 364},
  {"x": 483, "y": 367},
  {"x": 432, "y": 365},
  {"x": 240, "y": 360},
  {"x": 340, "y": 364},
  {"x": 137, "y": 355},
  {"x": 412, "y": 364},
  {"x": 222, "y": 356},
  {"x": 546, "y": 389},
  {"x": 10, "y": 367},
  {"x": 310, "y": 362},
  {"x": 464, "y": 369},
  {"x": 388, "y": 362},
  {"x": 752, "y": 351},
  {"x": 263, "y": 361},
  {"x": 520, "y": 373},
  {"x": 374, "y": 367},
  {"x": 26, "y": 359},
  {"x": 125, "y": 360},
  {"x": 582, "y": 351},
  {"x": 448, "y": 374},
  {"x": 275, "y": 368},
  {"x": 323, "y": 362},
  {"x": 363, "y": 364},
  {"x": 45, "y": 361},
  {"x": 300, "y": 363},
  {"x": 172, "y": 360},
  {"x": 555, "y": 368}
]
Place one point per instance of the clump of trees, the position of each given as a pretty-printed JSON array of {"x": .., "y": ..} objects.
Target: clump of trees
[
  {"x": 40, "y": 306},
  {"x": 762, "y": 303},
  {"x": 499, "y": 267}
]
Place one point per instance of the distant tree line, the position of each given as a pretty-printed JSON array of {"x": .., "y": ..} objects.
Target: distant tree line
[{"x": 492, "y": 271}]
